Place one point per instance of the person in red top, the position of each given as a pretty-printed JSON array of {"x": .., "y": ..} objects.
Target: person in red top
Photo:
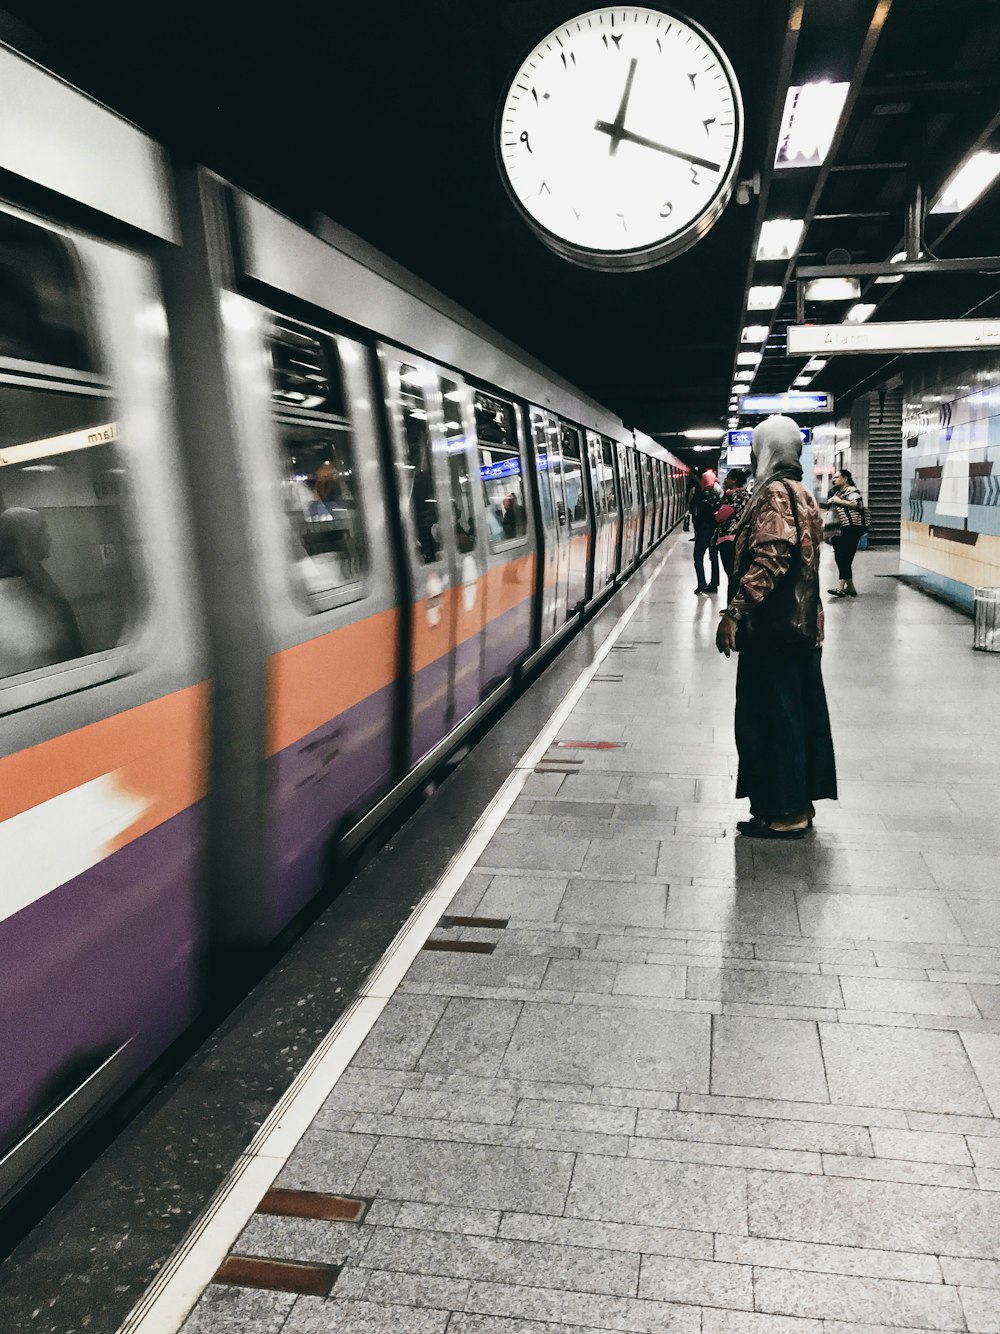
[{"x": 775, "y": 620}]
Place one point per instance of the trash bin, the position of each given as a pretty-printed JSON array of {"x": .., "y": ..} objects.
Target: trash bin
[{"x": 987, "y": 632}]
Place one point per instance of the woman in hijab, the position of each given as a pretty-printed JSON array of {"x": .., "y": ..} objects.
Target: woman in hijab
[
  {"x": 775, "y": 621},
  {"x": 37, "y": 625}
]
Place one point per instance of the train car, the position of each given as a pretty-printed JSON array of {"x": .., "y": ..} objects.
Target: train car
[
  {"x": 279, "y": 526},
  {"x": 103, "y": 680}
]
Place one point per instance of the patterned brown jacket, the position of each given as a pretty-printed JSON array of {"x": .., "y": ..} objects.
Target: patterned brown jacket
[{"x": 765, "y": 544}]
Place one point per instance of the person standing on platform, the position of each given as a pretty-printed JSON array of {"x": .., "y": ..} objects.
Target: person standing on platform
[
  {"x": 705, "y": 502},
  {"x": 734, "y": 501},
  {"x": 774, "y": 620},
  {"x": 846, "y": 502}
]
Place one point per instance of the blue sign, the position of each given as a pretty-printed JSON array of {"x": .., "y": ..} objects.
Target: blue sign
[
  {"x": 505, "y": 468},
  {"x": 791, "y": 403},
  {"x": 743, "y": 438}
]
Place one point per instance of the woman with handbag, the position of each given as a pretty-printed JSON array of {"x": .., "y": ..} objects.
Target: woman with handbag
[
  {"x": 846, "y": 502},
  {"x": 774, "y": 620}
]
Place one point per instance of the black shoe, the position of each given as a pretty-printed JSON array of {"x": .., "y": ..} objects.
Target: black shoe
[
  {"x": 712, "y": 588},
  {"x": 837, "y": 593},
  {"x": 746, "y": 826},
  {"x": 763, "y": 830},
  {"x": 849, "y": 593},
  {"x": 702, "y": 588}
]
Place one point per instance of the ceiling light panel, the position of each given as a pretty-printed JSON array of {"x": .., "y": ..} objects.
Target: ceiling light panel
[
  {"x": 814, "y": 364},
  {"x": 808, "y": 123},
  {"x": 744, "y": 376},
  {"x": 900, "y": 254},
  {"x": 833, "y": 289},
  {"x": 801, "y": 380},
  {"x": 747, "y": 358},
  {"x": 754, "y": 333},
  {"x": 974, "y": 176},
  {"x": 859, "y": 313},
  {"x": 763, "y": 298},
  {"x": 779, "y": 238}
]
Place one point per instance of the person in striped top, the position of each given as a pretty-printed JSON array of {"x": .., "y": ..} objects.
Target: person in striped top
[{"x": 846, "y": 502}]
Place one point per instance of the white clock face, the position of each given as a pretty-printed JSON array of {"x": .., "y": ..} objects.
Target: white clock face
[{"x": 620, "y": 136}]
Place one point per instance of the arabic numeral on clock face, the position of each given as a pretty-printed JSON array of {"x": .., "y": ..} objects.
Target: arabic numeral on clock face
[
  {"x": 666, "y": 210},
  {"x": 695, "y": 179}
]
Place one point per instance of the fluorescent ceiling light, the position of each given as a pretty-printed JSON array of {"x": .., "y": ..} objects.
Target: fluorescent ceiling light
[
  {"x": 779, "y": 238},
  {"x": 754, "y": 333},
  {"x": 812, "y": 111},
  {"x": 966, "y": 185},
  {"x": 763, "y": 298},
  {"x": 833, "y": 289},
  {"x": 802, "y": 380},
  {"x": 745, "y": 376},
  {"x": 747, "y": 358},
  {"x": 704, "y": 433},
  {"x": 900, "y": 254},
  {"x": 814, "y": 364},
  {"x": 859, "y": 313}
]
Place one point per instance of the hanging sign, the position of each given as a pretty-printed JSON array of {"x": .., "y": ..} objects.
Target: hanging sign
[
  {"x": 761, "y": 405},
  {"x": 898, "y": 336}
]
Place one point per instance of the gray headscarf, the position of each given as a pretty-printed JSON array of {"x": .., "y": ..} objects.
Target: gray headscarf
[{"x": 776, "y": 452}]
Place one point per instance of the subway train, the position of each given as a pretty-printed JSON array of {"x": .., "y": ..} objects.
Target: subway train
[{"x": 279, "y": 527}]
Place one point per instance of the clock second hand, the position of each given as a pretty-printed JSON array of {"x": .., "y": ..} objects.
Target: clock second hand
[{"x": 618, "y": 133}]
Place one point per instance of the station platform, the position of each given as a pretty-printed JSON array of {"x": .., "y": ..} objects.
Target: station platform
[{"x": 622, "y": 1069}]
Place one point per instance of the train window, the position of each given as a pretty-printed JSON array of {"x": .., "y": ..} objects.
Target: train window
[
  {"x": 42, "y": 315},
  {"x": 65, "y": 585},
  {"x": 608, "y": 476},
  {"x": 576, "y": 496},
  {"x": 500, "y": 470},
  {"x": 457, "y": 454},
  {"x": 418, "y": 467},
  {"x": 319, "y": 484},
  {"x": 544, "y": 434}
]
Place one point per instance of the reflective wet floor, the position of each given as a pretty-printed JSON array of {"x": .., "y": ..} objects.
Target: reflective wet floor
[{"x": 700, "y": 1084}]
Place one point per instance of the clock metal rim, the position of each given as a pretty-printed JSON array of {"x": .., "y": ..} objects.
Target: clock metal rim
[{"x": 668, "y": 247}]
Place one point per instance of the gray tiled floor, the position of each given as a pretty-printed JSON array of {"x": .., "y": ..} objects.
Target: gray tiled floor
[{"x": 701, "y": 1085}]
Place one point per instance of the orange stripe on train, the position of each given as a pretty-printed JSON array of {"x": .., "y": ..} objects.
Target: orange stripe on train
[{"x": 158, "y": 750}]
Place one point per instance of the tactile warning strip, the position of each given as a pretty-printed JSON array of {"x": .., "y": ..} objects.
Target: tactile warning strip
[
  {"x": 313, "y": 1204},
  {"x": 252, "y": 1271},
  {"x": 461, "y": 946},
  {"x": 485, "y": 923}
]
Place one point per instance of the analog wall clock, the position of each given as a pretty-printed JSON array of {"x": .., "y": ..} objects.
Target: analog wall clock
[{"x": 620, "y": 135}]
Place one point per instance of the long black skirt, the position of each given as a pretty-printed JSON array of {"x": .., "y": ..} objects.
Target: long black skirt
[{"x": 783, "y": 732}]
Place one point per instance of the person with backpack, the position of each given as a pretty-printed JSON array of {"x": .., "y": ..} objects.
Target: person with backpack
[
  {"x": 727, "y": 517},
  {"x": 846, "y": 502},
  {"x": 705, "y": 501}
]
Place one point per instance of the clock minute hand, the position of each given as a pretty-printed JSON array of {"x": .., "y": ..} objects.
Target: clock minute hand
[
  {"x": 617, "y": 127},
  {"x": 618, "y": 133}
]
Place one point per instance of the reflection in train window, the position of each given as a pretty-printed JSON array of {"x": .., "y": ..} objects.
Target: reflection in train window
[
  {"x": 319, "y": 482},
  {"x": 544, "y": 436},
  {"x": 457, "y": 455},
  {"x": 607, "y": 477},
  {"x": 65, "y": 567},
  {"x": 576, "y": 498},
  {"x": 65, "y": 584},
  {"x": 417, "y": 471},
  {"x": 500, "y": 471}
]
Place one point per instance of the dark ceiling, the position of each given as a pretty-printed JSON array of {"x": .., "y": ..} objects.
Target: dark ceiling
[{"x": 381, "y": 116}]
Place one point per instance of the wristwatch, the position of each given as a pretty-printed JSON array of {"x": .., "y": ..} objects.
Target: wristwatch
[{"x": 734, "y": 612}]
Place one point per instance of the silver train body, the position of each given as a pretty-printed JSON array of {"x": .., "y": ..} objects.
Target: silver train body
[{"x": 278, "y": 527}]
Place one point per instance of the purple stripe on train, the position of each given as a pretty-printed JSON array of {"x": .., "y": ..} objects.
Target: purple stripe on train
[{"x": 108, "y": 956}]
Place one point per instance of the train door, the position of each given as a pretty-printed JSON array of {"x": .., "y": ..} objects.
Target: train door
[
  {"x": 578, "y": 546},
  {"x": 610, "y": 481},
  {"x": 602, "y": 526},
  {"x": 413, "y": 395},
  {"x": 507, "y": 524},
  {"x": 466, "y": 544},
  {"x": 649, "y": 503},
  {"x": 660, "y": 499},
  {"x": 555, "y": 536},
  {"x": 629, "y": 516}
]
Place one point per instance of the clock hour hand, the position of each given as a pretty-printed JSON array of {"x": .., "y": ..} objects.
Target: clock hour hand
[
  {"x": 617, "y": 127},
  {"x": 618, "y": 133}
]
